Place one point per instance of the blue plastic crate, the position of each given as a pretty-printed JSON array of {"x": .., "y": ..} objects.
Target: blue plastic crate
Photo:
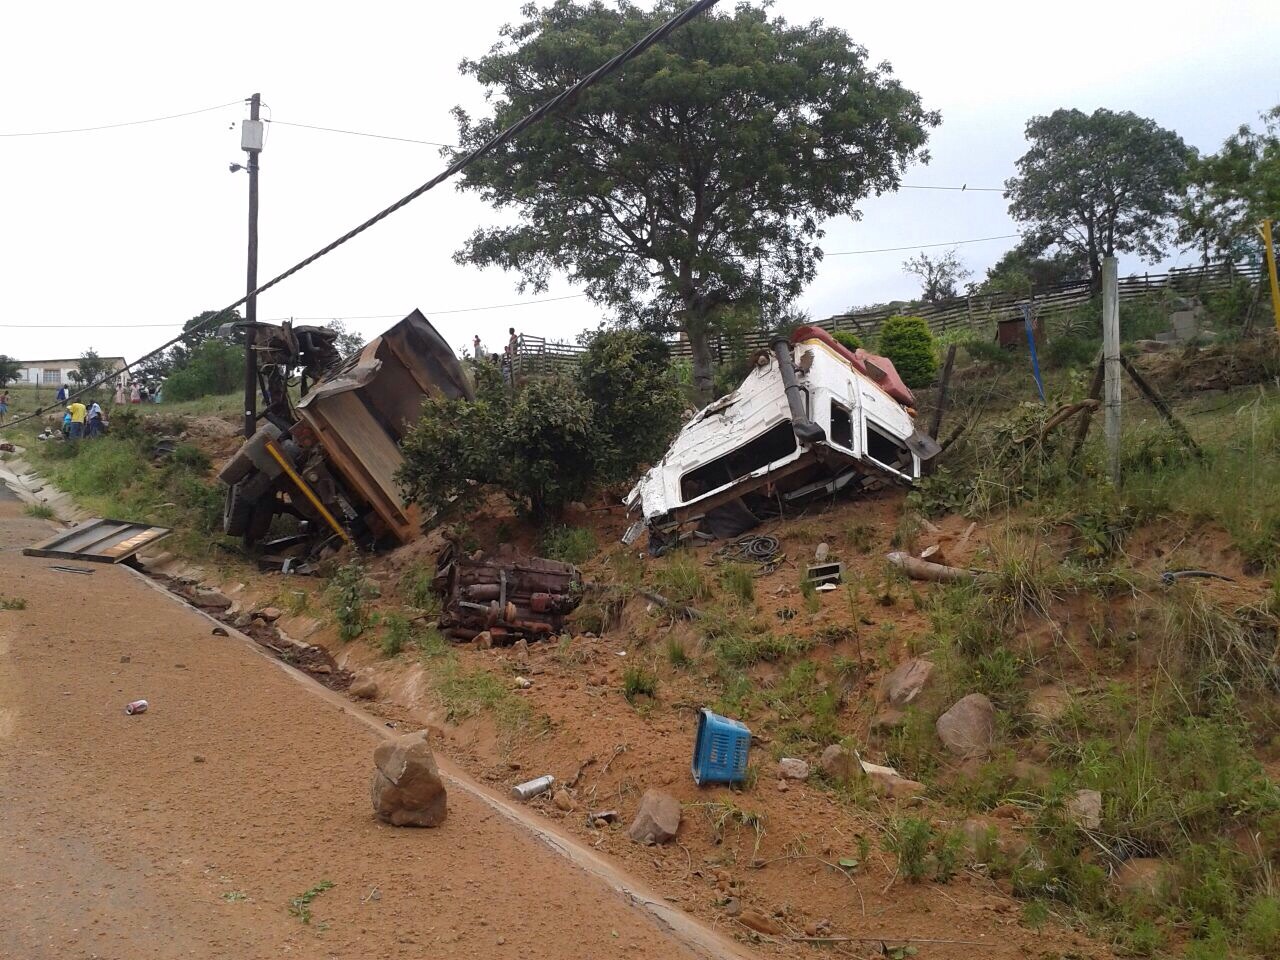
[{"x": 720, "y": 749}]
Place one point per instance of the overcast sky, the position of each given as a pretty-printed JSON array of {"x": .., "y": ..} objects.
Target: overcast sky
[{"x": 146, "y": 225}]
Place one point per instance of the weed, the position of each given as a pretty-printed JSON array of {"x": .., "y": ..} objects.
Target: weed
[
  {"x": 295, "y": 602},
  {"x": 41, "y": 511},
  {"x": 574, "y": 545},
  {"x": 397, "y": 631},
  {"x": 416, "y": 588},
  {"x": 300, "y": 906},
  {"x": 1035, "y": 914},
  {"x": 722, "y": 814},
  {"x": 1143, "y": 939},
  {"x": 466, "y": 693},
  {"x": 637, "y": 681},
  {"x": 737, "y": 694},
  {"x": 910, "y": 745},
  {"x": 12, "y": 603},
  {"x": 571, "y": 654},
  {"x": 738, "y": 581},
  {"x": 738, "y": 650},
  {"x": 861, "y": 536},
  {"x": 677, "y": 654},
  {"x": 235, "y": 896},
  {"x": 349, "y": 590},
  {"x": 1261, "y": 924},
  {"x": 909, "y": 839},
  {"x": 812, "y": 602},
  {"x": 806, "y": 707},
  {"x": 906, "y": 534},
  {"x": 682, "y": 579}
]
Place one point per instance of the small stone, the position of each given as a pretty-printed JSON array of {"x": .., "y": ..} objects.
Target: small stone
[
  {"x": 893, "y": 786},
  {"x": 197, "y": 759},
  {"x": 482, "y": 640},
  {"x": 220, "y": 632},
  {"x": 790, "y": 768},
  {"x": 270, "y": 614},
  {"x": 600, "y": 823},
  {"x": 821, "y": 553},
  {"x": 126, "y": 659},
  {"x": 562, "y": 800},
  {"x": 782, "y": 786},
  {"x": 1145, "y": 876},
  {"x": 758, "y": 922},
  {"x": 365, "y": 688},
  {"x": 502, "y": 941},
  {"x": 657, "y": 820},
  {"x": 1084, "y": 809},
  {"x": 968, "y": 729},
  {"x": 520, "y": 648},
  {"x": 904, "y": 683},
  {"x": 733, "y": 907},
  {"x": 407, "y": 789},
  {"x": 839, "y": 764}
]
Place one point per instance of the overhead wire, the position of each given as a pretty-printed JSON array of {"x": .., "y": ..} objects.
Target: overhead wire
[
  {"x": 497, "y": 140},
  {"x": 125, "y": 123},
  {"x": 918, "y": 246}
]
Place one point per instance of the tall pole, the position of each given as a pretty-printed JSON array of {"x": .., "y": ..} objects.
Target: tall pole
[
  {"x": 1271, "y": 270},
  {"x": 1111, "y": 363},
  {"x": 251, "y": 142}
]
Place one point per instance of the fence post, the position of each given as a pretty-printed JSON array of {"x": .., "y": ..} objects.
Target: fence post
[{"x": 1111, "y": 359}]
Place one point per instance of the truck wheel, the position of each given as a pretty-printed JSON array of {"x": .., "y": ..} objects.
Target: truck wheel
[{"x": 237, "y": 511}]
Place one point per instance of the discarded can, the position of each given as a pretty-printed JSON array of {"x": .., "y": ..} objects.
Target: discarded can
[
  {"x": 137, "y": 706},
  {"x": 531, "y": 788}
]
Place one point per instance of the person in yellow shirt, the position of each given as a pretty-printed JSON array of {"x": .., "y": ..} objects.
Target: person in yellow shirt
[{"x": 78, "y": 416}]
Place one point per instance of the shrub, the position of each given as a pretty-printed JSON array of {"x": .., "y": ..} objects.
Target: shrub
[
  {"x": 574, "y": 545},
  {"x": 909, "y": 839},
  {"x": 847, "y": 338},
  {"x": 682, "y": 580},
  {"x": 627, "y": 376},
  {"x": 215, "y": 367},
  {"x": 637, "y": 681},
  {"x": 349, "y": 590},
  {"x": 909, "y": 343},
  {"x": 677, "y": 654},
  {"x": 1063, "y": 351},
  {"x": 396, "y": 634},
  {"x": 986, "y": 350}
]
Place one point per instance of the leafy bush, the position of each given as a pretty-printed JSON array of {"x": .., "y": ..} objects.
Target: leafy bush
[
  {"x": 397, "y": 632},
  {"x": 1063, "y": 351},
  {"x": 627, "y": 376},
  {"x": 214, "y": 367},
  {"x": 986, "y": 350},
  {"x": 909, "y": 343},
  {"x": 552, "y": 441},
  {"x": 349, "y": 591},
  {"x": 570, "y": 544},
  {"x": 847, "y": 338}
]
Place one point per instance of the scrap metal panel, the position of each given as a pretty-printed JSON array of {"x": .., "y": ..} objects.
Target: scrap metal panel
[{"x": 99, "y": 540}]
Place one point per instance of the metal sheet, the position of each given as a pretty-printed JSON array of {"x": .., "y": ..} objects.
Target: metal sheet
[{"x": 99, "y": 540}]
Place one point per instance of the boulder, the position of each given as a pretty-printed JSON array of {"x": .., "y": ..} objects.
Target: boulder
[
  {"x": 270, "y": 614},
  {"x": 364, "y": 688},
  {"x": 838, "y": 764},
  {"x": 407, "y": 789},
  {"x": 789, "y": 768},
  {"x": 969, "y": 727},
  {"x": 905, "y": 681},
  {"x": 1084, "y": 809},
  {"x": 562, "y": 800},
  {"x": 657, "y": 820}
]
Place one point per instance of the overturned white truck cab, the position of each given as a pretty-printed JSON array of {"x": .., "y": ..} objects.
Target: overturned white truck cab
[{"x": 811, "y": 418}]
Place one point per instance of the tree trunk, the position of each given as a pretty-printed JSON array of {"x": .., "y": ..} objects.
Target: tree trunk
[{"x": 703, "y": 378}]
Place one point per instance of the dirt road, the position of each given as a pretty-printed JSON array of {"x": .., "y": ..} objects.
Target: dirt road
[{"x": 187, "y": 831}]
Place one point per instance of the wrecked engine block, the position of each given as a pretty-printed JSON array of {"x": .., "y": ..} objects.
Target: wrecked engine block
[{"x": 512, "y": 599}]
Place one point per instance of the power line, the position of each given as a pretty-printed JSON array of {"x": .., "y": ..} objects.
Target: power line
[
  {"x": 567, "y": 95},
  {"x": 963, "y": 188},
  {"x": 359, "y": 133},
  {"x": 919, "y": 246},
  {"x": 370, "y": 316},
  {"x": 125, "y": 123}
]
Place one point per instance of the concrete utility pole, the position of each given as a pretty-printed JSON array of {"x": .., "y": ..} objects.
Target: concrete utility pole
[
  {"x": 251, "y": 137},
  {"x": 1111, "y": 362},
  {"x": 1265, "y": 230}
]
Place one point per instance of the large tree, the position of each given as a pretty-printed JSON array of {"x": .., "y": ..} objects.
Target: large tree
[
  {"x": 940, "y": 276},
  {"x": 1099, "y": 184},
  {"x": 1232, "y": 190},
  {"x": 696, "y": 178},
  {"x": 1028, "y": 268},
  {"x": 10, "y": 369}
]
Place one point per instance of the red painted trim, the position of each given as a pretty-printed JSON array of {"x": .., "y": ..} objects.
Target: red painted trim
[{"x": 892, "y": 384}]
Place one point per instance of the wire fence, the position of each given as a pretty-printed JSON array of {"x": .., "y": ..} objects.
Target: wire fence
[{"x": 979, "y": 313}]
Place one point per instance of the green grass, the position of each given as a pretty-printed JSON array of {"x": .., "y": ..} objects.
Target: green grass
[
  {"x": 682, "y": 579},
  {"x": 41, "y": 511},
  {"x": 677, "y": 653},
  {"x": 637, "y": 681},
  {"x": 738, "y": 581},
  {"x": 349, "y": 592},
  {"x": 12, "y": 603},
  {"x": 574, "y": 545},
  {"x": 416, "y": 589},
  {"x": 397, "y": 632}
]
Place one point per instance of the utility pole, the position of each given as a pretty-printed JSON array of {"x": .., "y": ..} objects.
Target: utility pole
[
  {"x": 1111, "y": 363},
  {"x": 1265, "y": 230},
  {"x": 251, "y": 137}
]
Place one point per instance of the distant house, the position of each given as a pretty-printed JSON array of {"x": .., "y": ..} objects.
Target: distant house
[{"x": 54, "y": 373}]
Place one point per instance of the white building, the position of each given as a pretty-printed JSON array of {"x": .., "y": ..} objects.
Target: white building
[{"x": 55, "y": 373}]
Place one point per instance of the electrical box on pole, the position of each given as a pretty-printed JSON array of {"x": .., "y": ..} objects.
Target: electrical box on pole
[{"x": 251, "y": 135}]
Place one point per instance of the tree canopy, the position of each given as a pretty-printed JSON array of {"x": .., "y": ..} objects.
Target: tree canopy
[
  {"x": 1232, "y": 190},
  {"x": 698, "y": 177},
  {"x": 1099, "y": 184},
  {"x": 940, "y": 276},
  {"x": 1029, "y": 267},
  {"x": 9, "y": 370}
]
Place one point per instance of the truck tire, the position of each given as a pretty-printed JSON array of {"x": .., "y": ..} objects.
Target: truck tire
[{"x": 237, "y": 511}]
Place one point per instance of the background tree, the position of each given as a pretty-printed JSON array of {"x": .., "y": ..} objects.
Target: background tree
[
  {"x": 1232, "y": 191},
  {"x": 1099, "y": 184},
  {"x": 697, "y": 178},
  {"x": 10, "y": 370},
  {"x": 1029, "y": 267},
  {"x": 90, "y": 368},
  {"x": 347, "y": 342},
  {"x": 940, "y": 276},
  {"x": 213, "y": 367}
]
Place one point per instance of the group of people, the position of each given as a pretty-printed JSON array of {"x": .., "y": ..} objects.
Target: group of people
[
  {"x": 507, "y": 360},
  {"x": 81, "y": 420},
  {"x": 139, "y": 392}
]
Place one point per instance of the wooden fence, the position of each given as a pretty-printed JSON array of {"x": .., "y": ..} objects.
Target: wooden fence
[{"x": 977, "y": 312}]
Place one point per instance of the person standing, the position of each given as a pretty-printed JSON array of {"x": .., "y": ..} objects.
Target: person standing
[
  {"x": 135, "y": 394},
  {"x": 119, "y": 398},
  {"x": 78, "y": 416},
  {"x": 95, "y": 419},
  {"x": 62, "y": 393},
  {"x": 4, "y": 405},
  {"x": 477, "y": 349}
]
